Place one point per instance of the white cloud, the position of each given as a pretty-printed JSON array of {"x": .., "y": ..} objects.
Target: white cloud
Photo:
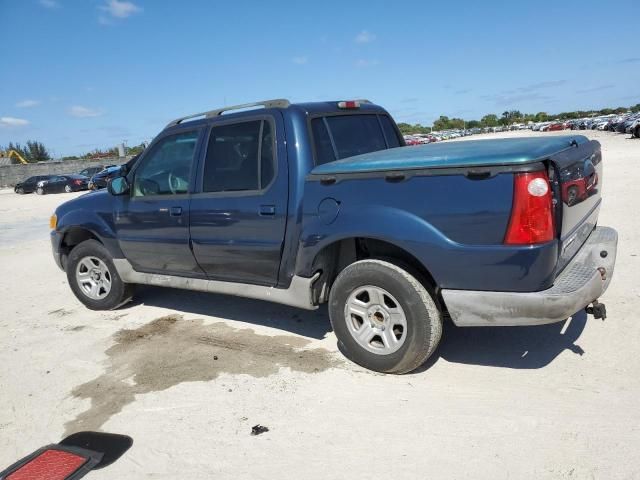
[
  {"x": 49, "y": 3},
  {"x": 83, "y": 112},
  {"x": 365, "y": 37},
  {"x": 28, "y": 103},
  {"x": 302, "y": 60},
  {"x": 362, "y": 63},
  {"x": 13, "y": 122},
  {"x": 119, "y": 9}
]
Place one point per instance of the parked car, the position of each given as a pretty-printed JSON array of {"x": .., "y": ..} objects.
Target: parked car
[
  {"x": 635, "y": 128},
  {"x": 578, "y": 182},
  {"x": 329, "y": 210},
  {"x": 555, "y": 127},
  {"x": 30, "y": 184},
  {"x": 91, "y": 171},
  {"x": 62, "y": 183},
  {"x": 100, "y": 179}
]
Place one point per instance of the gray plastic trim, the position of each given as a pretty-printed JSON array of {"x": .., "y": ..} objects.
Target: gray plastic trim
[{"x": 299, "y": 293}]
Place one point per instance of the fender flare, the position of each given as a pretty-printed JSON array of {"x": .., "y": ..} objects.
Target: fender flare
[{"x": 94, "y": 224}]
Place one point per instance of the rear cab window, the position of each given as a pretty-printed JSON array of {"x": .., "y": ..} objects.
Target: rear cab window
[{"x": 341, "y": 136}]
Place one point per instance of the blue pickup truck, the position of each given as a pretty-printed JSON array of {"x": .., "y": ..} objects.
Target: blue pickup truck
[{"x": 312, "y": 203}]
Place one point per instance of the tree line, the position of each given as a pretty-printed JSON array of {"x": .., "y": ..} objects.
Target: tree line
[
  {"x": 106, "y": 153},
  {"x": 33, "y": 151},
  {"x": 508, "y": 117}
]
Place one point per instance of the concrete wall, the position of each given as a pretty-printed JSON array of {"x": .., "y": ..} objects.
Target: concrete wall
[{"x": 12, "y": 174}]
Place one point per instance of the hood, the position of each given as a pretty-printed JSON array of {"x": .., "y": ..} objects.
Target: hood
[
  {"x": 474, "y": 153},
  {"x": 97, "y": 198}
]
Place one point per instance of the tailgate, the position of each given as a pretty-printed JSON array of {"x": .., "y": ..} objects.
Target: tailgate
[{"x": 578, "y": 187}]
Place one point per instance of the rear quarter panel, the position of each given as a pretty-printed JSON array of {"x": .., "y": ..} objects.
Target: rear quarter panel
[{"x": 452, "y": 224}]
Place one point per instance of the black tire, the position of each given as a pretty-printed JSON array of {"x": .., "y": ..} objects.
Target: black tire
[
  {"x": 19, "y": 190},
  {"x": 68, "y": 189},
  {"x": 423, "y": 318},
  {"x": 636, "y": 132},
  {"x": 120, "y": 292},
  {"x": 40, "y": 191}
]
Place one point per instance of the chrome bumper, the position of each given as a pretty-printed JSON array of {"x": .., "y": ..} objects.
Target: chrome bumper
[{"x": 579, "y": 284}]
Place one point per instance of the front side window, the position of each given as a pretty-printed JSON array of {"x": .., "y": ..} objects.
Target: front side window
[
  {"x": 239, "y": 157},
  {"x": 166, "y": 170}
]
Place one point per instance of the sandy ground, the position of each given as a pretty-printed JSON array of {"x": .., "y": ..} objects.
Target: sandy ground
[{"x": 187, "y": 375}]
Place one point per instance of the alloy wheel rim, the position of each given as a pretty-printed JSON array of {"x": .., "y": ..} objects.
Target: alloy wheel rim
[
  {"x": 375, "y": 320},
  {"x": 93, "y": 277}
]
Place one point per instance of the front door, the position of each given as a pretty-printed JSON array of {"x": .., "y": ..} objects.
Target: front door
[
  {"x": 153, "y": 222},
  {"x": 238, "y": 216}
]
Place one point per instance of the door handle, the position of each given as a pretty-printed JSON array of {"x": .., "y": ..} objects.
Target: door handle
[
  {"x": 267, "y": 210},
  {"x": 175, "y": 211}
]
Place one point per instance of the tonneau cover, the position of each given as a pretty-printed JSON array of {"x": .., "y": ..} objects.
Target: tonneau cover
[{"x": 474, "y": 153}]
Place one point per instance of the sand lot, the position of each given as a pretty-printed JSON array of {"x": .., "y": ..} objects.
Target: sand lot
[{"x": 555, "y": 401}]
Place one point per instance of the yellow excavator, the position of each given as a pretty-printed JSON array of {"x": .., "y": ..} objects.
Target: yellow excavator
[{"x": 13, "y": 153}]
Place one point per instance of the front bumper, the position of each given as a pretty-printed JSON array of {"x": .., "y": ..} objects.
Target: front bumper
[
  {"x": 56, "y": 240},
  {"x": 579, "y": 284}
]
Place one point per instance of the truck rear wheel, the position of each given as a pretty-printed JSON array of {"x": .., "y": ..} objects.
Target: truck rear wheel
[
  {"x": 93, "y": 277},
  {"x": 384, "y": 318}
]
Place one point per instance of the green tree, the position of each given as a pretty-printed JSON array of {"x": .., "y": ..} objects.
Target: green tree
[
  {"x": 37, "y": 152},
  {"x": 442, "y": 123},
  {"x": 541, "y": 117},
  {"x": 490, "y": 120},
  {"x": 458, "y": 123},
  {"x": 139, "y": 148},
  {"x": 32, "y": 152}
]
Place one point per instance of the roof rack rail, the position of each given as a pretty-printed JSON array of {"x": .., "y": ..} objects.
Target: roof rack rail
[{"x": 276, "y": 103}]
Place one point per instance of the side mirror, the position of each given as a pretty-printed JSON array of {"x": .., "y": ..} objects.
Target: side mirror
[{"x": 118, "y": 186}]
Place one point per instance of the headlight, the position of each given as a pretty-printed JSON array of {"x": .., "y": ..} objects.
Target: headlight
[{"x": 53, "y": 222}]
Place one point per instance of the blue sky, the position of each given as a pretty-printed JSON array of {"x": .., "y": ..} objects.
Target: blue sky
[{"x": 81, "y": 74}]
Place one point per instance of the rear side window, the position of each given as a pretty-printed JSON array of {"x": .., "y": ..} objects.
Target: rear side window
[
  {"x": 389, "y": 132},
  {"x": 324, "y": 150},
  {"x": 342, "y": 136},
  {"x": 239, "y": 157}
]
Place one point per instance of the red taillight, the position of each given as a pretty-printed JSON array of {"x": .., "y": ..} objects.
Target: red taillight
[
  {"x": 49, "y": 465},
  {"x": 348, "y": 104},
  {"x": 532, "y": 211},
  {"x": 77, "y": 182}
]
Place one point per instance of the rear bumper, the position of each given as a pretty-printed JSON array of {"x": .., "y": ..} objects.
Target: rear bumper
[{"x": 579, "y": 284}]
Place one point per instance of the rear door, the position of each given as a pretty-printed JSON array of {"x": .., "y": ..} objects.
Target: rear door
[
  {"x": 238, "y": 216},
  {"x": 153, "y": 222},
  {"x": 56, "y": 184}
]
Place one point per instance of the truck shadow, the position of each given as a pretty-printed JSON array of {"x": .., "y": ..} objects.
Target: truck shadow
[
  {"x": 312, "y": 324},
  {"x": 506, "y": 347},
  {"x": 510, "y": 347}
]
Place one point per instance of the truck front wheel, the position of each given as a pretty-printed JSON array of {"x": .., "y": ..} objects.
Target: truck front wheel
[
  {"x": 384, "y": 318},
  {"x": 93, "y": 277}
]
